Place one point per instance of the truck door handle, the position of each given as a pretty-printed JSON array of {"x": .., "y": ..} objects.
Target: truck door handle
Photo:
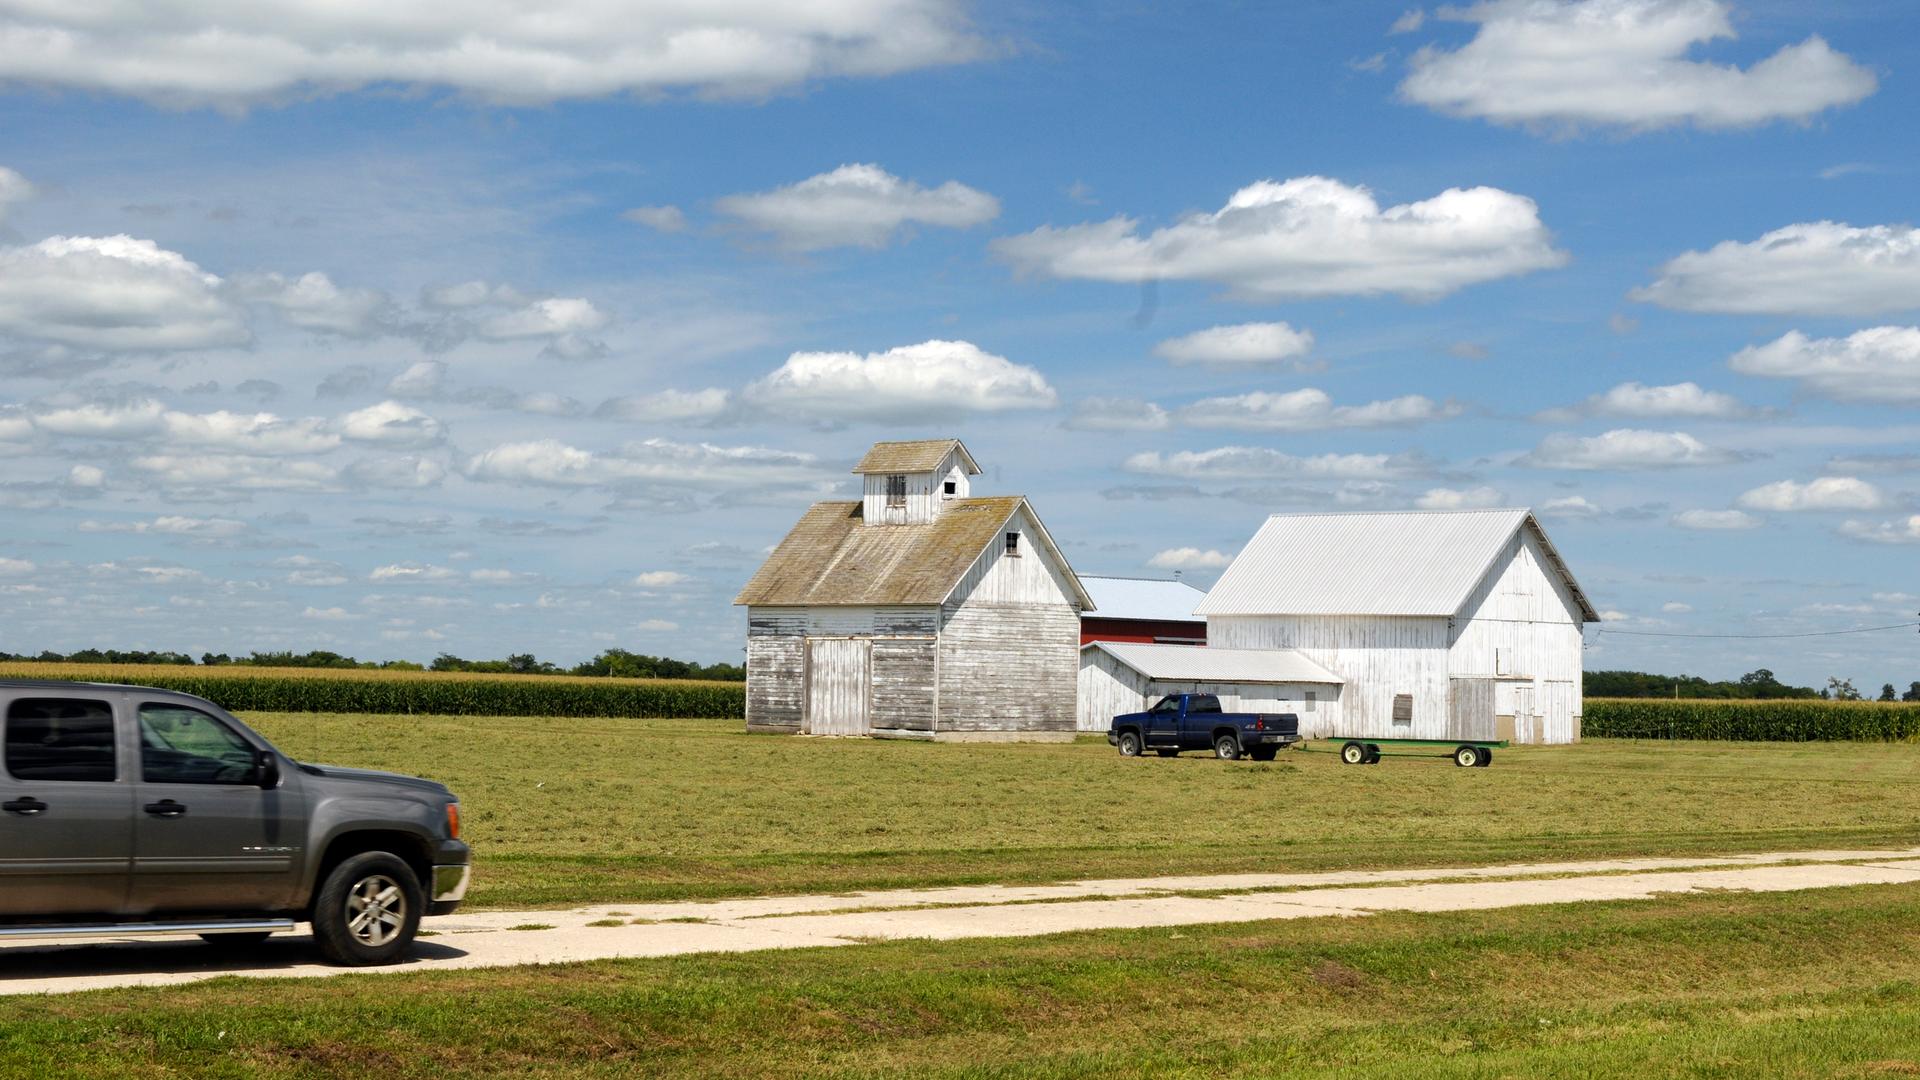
[
  {"x": 26, "y": 807},
  {"x": 166, "y": 808}
]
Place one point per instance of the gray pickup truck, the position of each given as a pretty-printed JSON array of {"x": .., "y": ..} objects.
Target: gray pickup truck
[{"x": 128, "y": 811}]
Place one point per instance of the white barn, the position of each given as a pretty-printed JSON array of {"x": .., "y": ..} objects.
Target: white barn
[
  {"x": 1444, "y": 625},
  {"x": 919, "y": 612},
  {"x": 1119, "y": 677}
]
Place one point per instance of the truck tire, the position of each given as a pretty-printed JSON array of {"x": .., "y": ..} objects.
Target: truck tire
[
  {"x": 1168, "y": 753},
  {"x": 367, "y": 910},
  {"x": 1264, "y": 753},
  {"x": 1467, "y": 757},
  {"x": 1353, "y": 754},
  {"x": 1226, "y": 748},
  {"x": 1129, "y": 744}
]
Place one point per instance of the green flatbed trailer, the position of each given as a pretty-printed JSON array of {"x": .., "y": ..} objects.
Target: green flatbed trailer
[{"x": 1466, "y": 753}]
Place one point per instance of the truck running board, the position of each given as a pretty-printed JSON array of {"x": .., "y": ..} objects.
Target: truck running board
[{"x": 113, "y": 930}]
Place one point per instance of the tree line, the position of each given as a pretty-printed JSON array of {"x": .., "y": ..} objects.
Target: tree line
[
  {"x": 613, "y": 663},
  {"x": 1758, "y": 684}
]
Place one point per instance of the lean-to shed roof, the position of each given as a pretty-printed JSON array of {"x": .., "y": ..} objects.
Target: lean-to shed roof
[
  {"x": 918, "y": 455},
  {"x": 1204, "y": 664},
  {"x": 1144, "y": 599},
  {"x": 1412, "y": 563},
  {"x": 831, "y": 558}
]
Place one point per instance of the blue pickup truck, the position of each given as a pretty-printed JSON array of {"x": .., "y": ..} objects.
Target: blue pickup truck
[{"x": 1194, "y": 722}]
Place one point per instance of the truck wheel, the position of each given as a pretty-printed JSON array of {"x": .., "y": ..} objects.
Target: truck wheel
[
  {"x": 1129, "y": 744},
  {"x": 1353, "y": 754},
  {"x": 1226, "y": 748},
  {"x": 1264, "y": 753},
  {"x": 367, "y": 910},
  {"x": 1467, "y": 757},
  {"x": 1168, "y": 753}
]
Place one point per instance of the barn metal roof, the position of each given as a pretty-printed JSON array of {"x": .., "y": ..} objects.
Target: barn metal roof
[
  {"x": 1201, "y": 663},
  {"x": 918, "y": 455},
  {"x": 832, "y": 559},
  {"x": 1411, "y": 563},
  {"x": 1144, "y": 599}
]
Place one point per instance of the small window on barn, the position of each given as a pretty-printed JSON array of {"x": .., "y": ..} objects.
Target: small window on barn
[
  {"x": 1403, "y": 708},
  {"x": 950, "y": 488},
  {"x": 1313, "y": 700},
  {"x": 1013, "y": 544},
  {"x": 896, "y": 491}
]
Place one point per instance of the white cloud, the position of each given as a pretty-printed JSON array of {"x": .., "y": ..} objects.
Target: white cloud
[
  {"x": 1310, "y": 236},
  {"x": 555, "y": 317},
  {"x": 1572, "y": 506},
  {"x": 123, "y": 420},
  {"x": 1253, "y": 462},
  {"x": 390, "y": 423},
  {"x": 551, "y": 463},
  {"x": 15, "y": 567},
  {"x": 236, "y": 471},
  {"x": 1189, "y": 558},
  {"x": 856, "y": 206},
  {"x": 1687, "y": 399},
  {"x": 1310, "y": 410},
  {"x": 1715, "y": 520},
  {"x": 660, "y": 579},
  {"x": 14, "y": 188},
  {"x": 411, "y": 573},
  {"x": 1674, "y": 607},
  {"x": 1611, "y": 615},
  {"x": 1622, "y": 63},
  {"x": 658, "y": 218},
  {"x": 114, "y": 293},
  {"x": 910, "y": 382},
  {"x": 1117, "y": 414},
  {"x": 656, "y": 625},
  {"x": 1409, "y": 21},
  {"x": 1624, "y": 448},
  {"x": 1477, "y": 498},
  {"x": 397, "y": 471},
  {"x": 424, "y": 379},
  {"x": 86, "y": 476},
  {"x": 668, "y": 406},
  {"x": 174, "y": 525},
  {"x": 1885, "y": 532},
  {"x": 468, "y": 294},
  {"x": 332, "y": 614},
  {"x": 1815, "y": 268},
  {"x": 1242, "y": 344},
  {"x": 313, "y": 302},
  {"x": 1826, "y": 493},
  {"x": 256, "y": 433},
  {"x": 233, "y": 56},
  {"x": 1880, "y": 365}
]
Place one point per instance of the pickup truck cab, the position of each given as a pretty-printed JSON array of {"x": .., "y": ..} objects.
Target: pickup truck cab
[
  {"x": 1194, "y": 722},
  {"x": 126, "y": 810}
]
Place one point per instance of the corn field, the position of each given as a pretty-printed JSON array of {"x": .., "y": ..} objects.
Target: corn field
[
  {"x": 1757, "y": 721},
  {"x": 360, "y": 690}
]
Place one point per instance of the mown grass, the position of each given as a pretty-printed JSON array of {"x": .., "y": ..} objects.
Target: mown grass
[
  {"x": 1816, "y": 984},
  {"x": 566, "y": 811}
]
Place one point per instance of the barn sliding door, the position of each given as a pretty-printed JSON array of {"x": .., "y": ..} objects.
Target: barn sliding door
[
  {"x": 1470, "y": 709},
  {"x": 839, "y": 686}
]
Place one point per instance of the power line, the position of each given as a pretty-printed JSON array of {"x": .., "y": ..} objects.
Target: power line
[{"x": 1816, "y": 633}]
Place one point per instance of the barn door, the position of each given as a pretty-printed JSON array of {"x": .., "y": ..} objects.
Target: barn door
[
  {"x": 1526, "y": 725},
  {"x": 839, "y": 686},
  {"x": 1470, "y": 709}
]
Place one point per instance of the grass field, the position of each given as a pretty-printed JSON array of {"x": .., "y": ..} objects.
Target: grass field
[
  {"x": 569, "y": 811},
  {"x": 1819, "y": 984}
]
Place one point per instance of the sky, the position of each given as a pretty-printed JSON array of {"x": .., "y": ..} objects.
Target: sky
[{"x": 498, "y": 328}]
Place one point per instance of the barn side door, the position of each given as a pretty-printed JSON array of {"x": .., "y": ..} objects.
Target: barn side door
[
  {"x": 839, "y": 686},
  {"x": 1470, "y": 709}
]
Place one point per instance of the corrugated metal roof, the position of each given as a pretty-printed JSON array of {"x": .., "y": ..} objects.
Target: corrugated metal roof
[
  {"x": 1200, "y": 663},
  {"x": 1412, "y": 563},
  {"x": 831, "y": 558},
  {"x": 919, "y": 455},
  {"x": 1146, "y": 599}
]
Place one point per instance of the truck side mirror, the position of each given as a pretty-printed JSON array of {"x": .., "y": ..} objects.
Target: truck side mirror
[{"x": 266, "y": 769}]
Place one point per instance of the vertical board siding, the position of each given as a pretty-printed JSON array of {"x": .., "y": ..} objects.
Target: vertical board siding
[
  {"x": 1379, "y": 656},
  {"x": 776, "y": 673},
  {"x": 1010, "y": 642},
  {"x": 903, "y": 684},
  {"x": 839, "y": 687},
  {"x": 1108, "y": 689},
  {"x": 843, "y": 621},
  {"x": 1032, "y": 577},
  {"x": 1522, "y": 624},
  {"x": 1470, "y": 709},
  {"x": 925, "y": 490}
]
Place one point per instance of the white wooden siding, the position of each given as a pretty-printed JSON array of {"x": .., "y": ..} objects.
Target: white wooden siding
[
  {"x": 1010, "y": 642},
  {"x": 904, "y": 670},
  {"x": 1379, "y": 656},
  {"x": 1032, "y": 577},
  {"x": 839, "y": 687},
  {"x": 842, "y": 621},
  {"x": 925, "y": 491},
  {"x": 1109, "y": 688},
  {"x": 1523, "y": 625},
  {"x": 776, "y": 678}
]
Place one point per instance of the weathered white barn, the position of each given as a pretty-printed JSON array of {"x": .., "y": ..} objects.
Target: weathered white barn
[
  {"x": 1126, "y": 677},
  {"x": 1444, "y": 625},
  {"x": 919, "y": 612}
]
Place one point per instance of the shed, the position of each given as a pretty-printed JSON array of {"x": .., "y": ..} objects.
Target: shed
[
  {"x": 1444, "y": 624},
  {"x": 921, "y": 611},
  {"x": 1126, "y": 677},
  {"x": 1143, "y": 610}
]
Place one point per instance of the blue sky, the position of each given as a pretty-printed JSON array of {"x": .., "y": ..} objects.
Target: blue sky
[{"x": 476, "y": 332}]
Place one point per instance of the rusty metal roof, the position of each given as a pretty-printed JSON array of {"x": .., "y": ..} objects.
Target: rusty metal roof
[
  {"x": 919, "y": 455},
  {"x": 832, "y": 558}
]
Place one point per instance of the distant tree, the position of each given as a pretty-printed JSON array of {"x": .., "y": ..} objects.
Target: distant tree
[
  {"x": 1912, "y": 694},
  {"x": 1886, "y": 692},
  {"x": 1840, "y": 689}
]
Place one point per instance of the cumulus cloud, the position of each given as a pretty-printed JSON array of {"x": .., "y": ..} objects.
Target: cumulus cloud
[
  {"x": 1310, "y": 410},
  {"x": 660, "y": 579},
  {"x": 398, "y": 471},
  {"x": 551, "y": 318},
  {"x": 234, "y": 56},
  {"x": 668, "y": 406},
  {"x": 14, "y": 188},
  {"x": 1880, "y": 365},
  {"x": 15, "y": 567},
  {"x": 412, "y": 573},
  {"x": 1117, "y": 414},
  {"x": 235, "y": 472},
  {"x": 856, "y": 206},
  {"x": 1714, "y": 520},
  {"x": 1476, "y": 498},
  {"x": 1624, "y": 448},
  {"x": 1254, "y": 462},
  {"x": 551, "y": 463},
  {"x": 1636, "y": 400},
  {"x": 174, "y": 525},
  {"x": 1884, "y": 532},
  {"x": 390, "y": 423},
  {"x": 1189, "y": 558},
  {"x": 1571, "y": 506},
  {"x": 1623, "y": 64},
  {"x": 910, "y": 382},
  {"x": 331, "y": 614},
  {"x": 1258, "y": 343},
  {"x": 114, "y": 293},
  {"x": 313, "y": 302},
  {"x": 658, "y": 218},
  {"x": 1826, "y": 493},
  {"x": 1410, "y": 20},
  {"x": 1307, "y": 237},
  {"x": 1815, "y": 268}
]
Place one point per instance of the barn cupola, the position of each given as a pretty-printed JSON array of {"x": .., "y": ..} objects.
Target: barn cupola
[{"x": 908, "y": 482}]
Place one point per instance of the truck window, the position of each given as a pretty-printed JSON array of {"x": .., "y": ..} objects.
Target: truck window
[
  {"x": 179, "y": 745},
  {"x": 1170, "y": 703},
  {"x": 61, "y": 739},
  {"x": 1203, "y": 703}
]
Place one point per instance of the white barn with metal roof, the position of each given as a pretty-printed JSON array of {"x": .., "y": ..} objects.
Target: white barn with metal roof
[
  {"x": 1443, "y": 624},
  {"x": 1126, "y": 677}
]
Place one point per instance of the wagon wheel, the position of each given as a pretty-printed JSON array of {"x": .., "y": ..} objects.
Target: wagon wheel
[
  {"x": 1353, "y": 754},
  {"x": 1467, "y": 757}
]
